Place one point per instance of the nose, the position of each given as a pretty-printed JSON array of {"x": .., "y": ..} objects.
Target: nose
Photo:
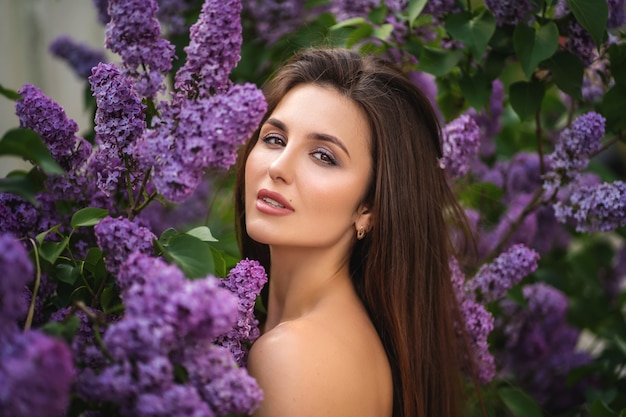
[{"x": 282, "y": 167}]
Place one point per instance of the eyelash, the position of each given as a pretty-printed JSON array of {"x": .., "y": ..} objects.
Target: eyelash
[{"x": 325, "y": 157}]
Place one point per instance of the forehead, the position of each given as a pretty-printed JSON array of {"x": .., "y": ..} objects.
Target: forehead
[{"x": 324, "y": 110}]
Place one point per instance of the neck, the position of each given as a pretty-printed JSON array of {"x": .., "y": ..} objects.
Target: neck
[{"x": 301, "y": 278}]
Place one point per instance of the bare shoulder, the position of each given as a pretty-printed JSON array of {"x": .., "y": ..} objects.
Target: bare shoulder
[{"x": 306, "y": 370}]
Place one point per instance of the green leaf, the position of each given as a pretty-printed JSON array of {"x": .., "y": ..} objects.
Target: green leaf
[
  {"x": 600, "y": 409},
  {"x": 617, "y": 57},
  {"x": 67, "y": 273},
  {"x": 21, "y": 184},
  {"x": 383, "y": 31},
  {"x": 439, "y": 62},
  {"x": 88, "y": 216},
  {"x": 167, "y": 234},
  {"x": 613, "y": 107},
  {"x": 532, "y": 46},
  {"x": 526, "y": 97},
  {"x": 362, "y": 32},
  {"x": 27, "y": 144},
  {"x": 519, "y": 403},
  {"x": 415, "y": 9},
  {"x": 192, "y": 255},
  {"x": 220, "y": 263},
  {"x": 592, "y": 15},
  {"x": 476, "y": 90},
  {"x": 50, "y": 251},
  {"x": 355, "y": 21},
  {"x": 94, "y": 255},
  {"x": 41, "y": 236},
  {"x": 568, "y": 72},
  {"x": 203, "y": 233},
  {"x": 474, "y": 31},
  {"x": 65, "y": 329},
  {"x": 8, "y": 93}
]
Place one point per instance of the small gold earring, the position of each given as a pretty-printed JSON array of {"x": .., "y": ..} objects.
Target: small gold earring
[{"x": 360, "y": 234}]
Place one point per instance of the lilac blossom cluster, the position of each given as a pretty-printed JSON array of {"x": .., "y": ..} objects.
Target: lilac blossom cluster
[
  {"x": 477, "y": 324},
  {"x": 36, "y": 370},
  {"x": 347, "y": 9},
  {"x": 171, "y": 14},
  {"x": 491, "y": 283},
  {"x": 437, "y": 8},
  {"x": 493, "y": 280},
  {"x": 594, "y": 208},
  {"x": 573, "y": 149},
  {"x": 193, "y": 135},
  {"x": 509, "y": 12},
  {"x": 265, "y": 14},
  {"x": 119, "y": 237},
  {"x": 119, "y": 122},
  {"x": 49, "y": 121},
  {"x": 170, "y": 322},
  {"x": 540, "y": 346},
  {"x": 134, "y": 33},
  {"x": 245, "y": 280},
  {"x": 213, "y": 50},
  {"x": 81, "y": 57},
  {"x": 580, "y": 43},
  {"x": 461, "y": 140}
]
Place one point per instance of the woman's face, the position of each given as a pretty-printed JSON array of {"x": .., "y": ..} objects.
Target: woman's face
[{"x": 309, "y": 171}]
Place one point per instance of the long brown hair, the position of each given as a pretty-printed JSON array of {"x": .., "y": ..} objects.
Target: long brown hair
[{"x": 400, "y": 269}]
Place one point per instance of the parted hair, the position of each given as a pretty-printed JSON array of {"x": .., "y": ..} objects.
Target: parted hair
[{"x": 400, "y": 269}]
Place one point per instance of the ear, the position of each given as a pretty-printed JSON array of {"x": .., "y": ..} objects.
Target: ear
[{"x": 363, "y": 217}]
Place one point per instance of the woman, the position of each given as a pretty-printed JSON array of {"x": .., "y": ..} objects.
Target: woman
[{"x": 340, "y": 196}]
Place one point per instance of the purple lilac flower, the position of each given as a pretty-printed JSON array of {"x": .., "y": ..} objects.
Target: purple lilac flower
[
  {"x": 617, "y": 14},
  {"x": 540, "y": 346},
  {"x": 437, "y": 8},
  {"x": 36, "y": 373},
  {"x": 48, "y": 120},
  {"x": 580, "y": 43},
  {"x": 81, "y": 57},
  {"x": 522, "y": 174},
  {"x": 171, "y": 14},
  {"x": 489, "y": 119},
  {"x": 197, "y": 309},
  {"x": 265, "y": 14},
  {"x": 120, "y": 121},
  {"x": 461, "y": 139},
  {"x": 509, "y": 12},
  {"x": 573, "y": 148},
  {"x": 180, "y": 400},
  {"x": 102, "y": 9},
  {"x": 493, "y": 280},
  {"x": 120, "y": 117},
  {"x": 245, "y": 280},
  {"x": 135, "y": 34},
  {"x": 192, "y": 136},
  {"x": 18, "y": 215},
  {"x": 595, "y": 208},
  {"x": 84, "y": 348},
  {"x": 478, "y": 324},
  {"x": 171, "y": 321},
  {"x": 119, "y": 237},
  {"x": 428, "y": 84},
  {"x": 17, "y": 271},
  {"x": 213, "y": 50},
  {"x": 346, "y": 9}
]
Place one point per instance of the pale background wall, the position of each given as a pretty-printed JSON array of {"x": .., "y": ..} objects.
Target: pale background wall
[{"x": 26, "y": 29}]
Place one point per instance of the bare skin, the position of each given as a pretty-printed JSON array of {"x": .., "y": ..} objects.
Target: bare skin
[{"x": 319, "y": 354}]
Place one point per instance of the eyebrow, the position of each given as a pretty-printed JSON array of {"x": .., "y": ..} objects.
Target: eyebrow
[{"x": 318, "y": 136}]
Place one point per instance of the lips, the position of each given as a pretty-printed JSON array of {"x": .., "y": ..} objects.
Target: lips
[{"x": 274, "y": 200}]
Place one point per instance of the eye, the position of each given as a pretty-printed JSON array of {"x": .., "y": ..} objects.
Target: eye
[
  {"x": 273, "y": 140},
  {"x": 324, "y": 157}
]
